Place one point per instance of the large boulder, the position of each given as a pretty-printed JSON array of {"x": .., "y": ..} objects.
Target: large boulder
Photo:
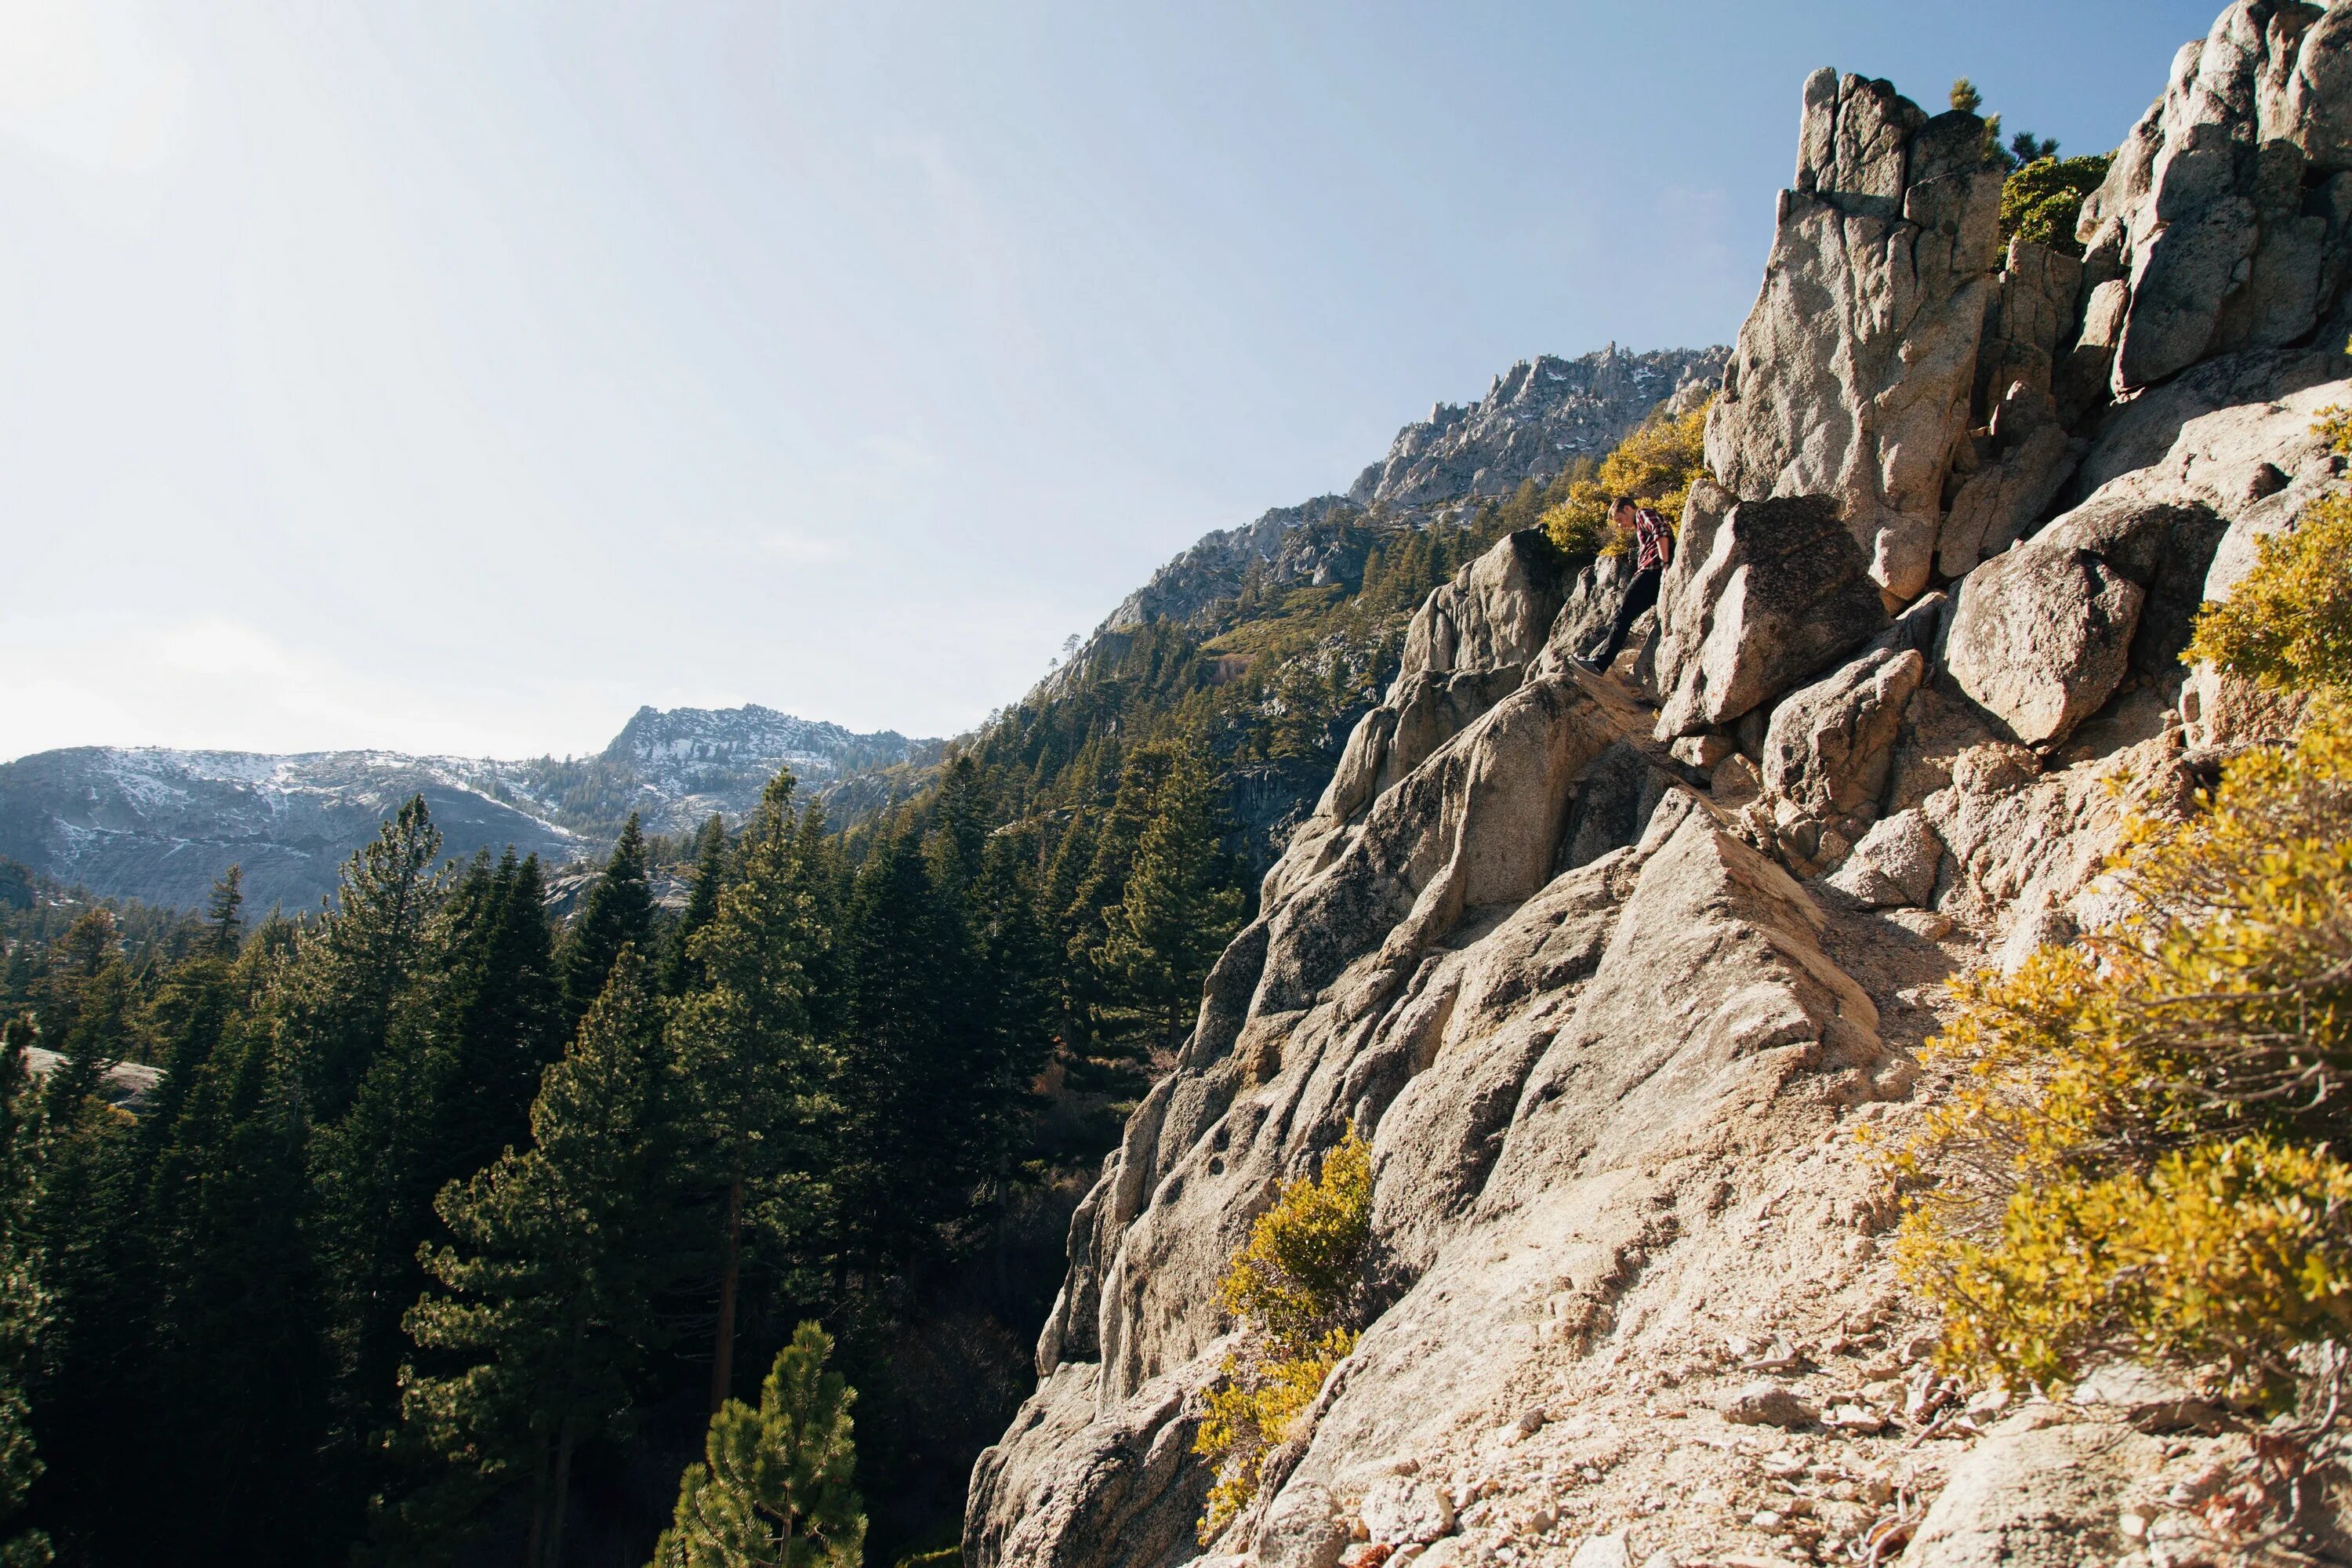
[
  {"x": 1854, "y": 373},
  {"x": 2043, "y": 636},
  {"x": 1593, "y": 601},
  {"x": 2225, "y": 213},
  {"x": 1759, "y": 597},
  {"x": 2038, "y": 1498},
  {"x": 1828, "y": 747}
]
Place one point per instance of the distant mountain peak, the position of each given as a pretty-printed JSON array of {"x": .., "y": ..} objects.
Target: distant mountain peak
[{"x": 1537, "y": 417}]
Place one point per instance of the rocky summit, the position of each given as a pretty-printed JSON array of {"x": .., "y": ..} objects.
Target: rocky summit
[{"x": 1612, "y": 968}]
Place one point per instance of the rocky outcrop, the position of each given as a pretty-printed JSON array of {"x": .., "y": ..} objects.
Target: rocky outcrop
[
  {"x": 1758, "y": 596},
  {"x": 1611, "y": 986},
  {"x": 1538, "y": 417},
  {"x": 2011, "y": 466},
  {"x": 2043, "y": 636},
  {"x": 1854, "y": 374},
  {"x": 2221, "y": 225}
]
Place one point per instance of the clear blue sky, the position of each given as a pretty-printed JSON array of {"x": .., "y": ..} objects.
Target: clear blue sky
[{"x": 456, "y": 378}]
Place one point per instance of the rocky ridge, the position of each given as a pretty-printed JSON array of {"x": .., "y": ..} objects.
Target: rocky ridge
[
  {"x": 1610, "y": 969},
  {"x": 1536, "y": 418},
  {"x": 160, "y": 825}
]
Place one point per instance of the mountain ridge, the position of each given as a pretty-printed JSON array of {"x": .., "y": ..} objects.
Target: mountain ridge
[{"x": 159, "y": 824}]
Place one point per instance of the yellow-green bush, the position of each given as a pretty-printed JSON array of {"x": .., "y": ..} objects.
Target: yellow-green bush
[
  {"x": 1655, "y": 465},
  {"x": 2288, "y": 622},
  {"x": 2138, "y": 1156},
  {"x": 1295, "y": 1293}
]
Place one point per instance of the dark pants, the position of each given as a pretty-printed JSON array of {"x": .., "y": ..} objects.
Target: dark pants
[{"x": 1639, "y": 595}]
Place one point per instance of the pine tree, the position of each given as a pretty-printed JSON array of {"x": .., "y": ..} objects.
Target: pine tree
[
  {"x": 223, "y": 915},
  {"x": 544, "y": 1300},
  {"x": 618, "y": 913},
  {"x": 375, "y": 1169},
  {"x": 958, "y": 840},
  {"x": 88, "y": 946},
  {"x": 85, "y": 1236},
  {"x": 1180, "y": 906},
  {"x": 914, "y": 1039},
  {"x": 359, "y": 962},
  {"x": 748, "y": 1069},
  {"x": 681, "y": 972},
  {"x": 498, "y": 1013},
  {"x": 1100, "y": 1062},
  {"x": 237, "y": 1383},
  {"x": 776, "y": 1486},
  {"x": 23, "y": 1306}
]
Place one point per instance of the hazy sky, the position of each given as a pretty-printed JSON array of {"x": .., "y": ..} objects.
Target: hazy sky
[{"x": 458, "y": 376}]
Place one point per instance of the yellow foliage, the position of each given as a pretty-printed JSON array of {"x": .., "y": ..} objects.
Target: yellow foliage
[
  {"x": 1295, "y": 1290},
  {"x": 2137, "y": 1157},
  {"x": 1655, "y": 465},
  {"x": 2288, "y": 622}
]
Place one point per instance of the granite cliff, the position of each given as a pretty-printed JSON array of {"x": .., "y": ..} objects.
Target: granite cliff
[{"x": 1609, "y": 968}]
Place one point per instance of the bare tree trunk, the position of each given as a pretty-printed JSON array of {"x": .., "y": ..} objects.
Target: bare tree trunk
[
  {"x": 722, "y": 1355},
  {"x": 563, "y": 1495},
  {"x": 537, "y": 1503}
]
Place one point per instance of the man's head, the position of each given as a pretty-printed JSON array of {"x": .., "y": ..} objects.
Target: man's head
[{"x": 1621, "y": 510}]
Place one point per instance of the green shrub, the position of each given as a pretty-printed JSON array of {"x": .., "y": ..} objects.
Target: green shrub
[
  {"x": 1296, "y": 1292},
  {"x": 2041, "y": 202}
]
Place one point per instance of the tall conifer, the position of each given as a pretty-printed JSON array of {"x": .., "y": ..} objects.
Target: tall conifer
[
  {"x": 747, "y": 1069},
  {"x": 544, "y": 1300},
  {"x": 618, "y": 912}
]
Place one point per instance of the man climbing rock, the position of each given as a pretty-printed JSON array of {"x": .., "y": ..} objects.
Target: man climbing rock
[{"x": 1654, "y": 546}]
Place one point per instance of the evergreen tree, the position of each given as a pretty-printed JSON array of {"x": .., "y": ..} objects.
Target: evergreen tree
[
  {"x": 747, "y": 1069},
  {"x": 223, "y": 915},
  {"x": 23, "y": 1309},
  {"x": 544, "y": 1300},
  {"x": 912, "y": 1046},
  {"x": 361, "y": 962},
  {"x": 957, "y": 841},
  {"x": 374, "y": 1171},
  {"x": 1101, "y": 1060},
  {"x": 776, "y": 1486},
  {"x": 681, "y": 971},
  {"x": 85, "y": 1238},
  {"x": 618, "y": 913},
  {"x": 237, "y": 1383},
  {"x": 1180, "y": 906},
  {"x": 88, "y": 946},
  {"x": 499, "y": 1013}
]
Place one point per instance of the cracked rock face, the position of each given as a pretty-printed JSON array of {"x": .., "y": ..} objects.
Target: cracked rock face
[
  {"x": 1757, "y": 597},
  {"x": 2224, "y": 216},
  {"x": 1854, "y": 373}
]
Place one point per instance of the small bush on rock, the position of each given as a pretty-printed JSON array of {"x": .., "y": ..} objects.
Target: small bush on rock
[
  {"x": 2288, "y": 622},
  {"x": 2041, "y": 202},
  {"x": 1297, "y": 1293}
]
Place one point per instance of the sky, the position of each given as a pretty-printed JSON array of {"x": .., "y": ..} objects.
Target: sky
[{"x": 455, "y": 378}]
